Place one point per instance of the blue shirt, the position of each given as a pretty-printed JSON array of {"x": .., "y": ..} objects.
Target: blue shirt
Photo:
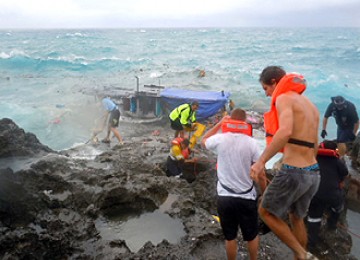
[{"x": 108, "y": 104}]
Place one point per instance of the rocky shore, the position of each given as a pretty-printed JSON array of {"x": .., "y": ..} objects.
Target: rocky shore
[{"x": 76, "y": 204}]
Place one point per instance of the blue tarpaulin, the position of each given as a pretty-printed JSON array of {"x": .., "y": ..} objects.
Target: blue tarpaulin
[{"x": 210, "y": 102}]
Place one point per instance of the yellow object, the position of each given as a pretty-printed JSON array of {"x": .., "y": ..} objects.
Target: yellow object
[
  {"x": 216, "y": 218},
  {"x": 176, "y": 153},
  {"x": 199, "y": 131}
]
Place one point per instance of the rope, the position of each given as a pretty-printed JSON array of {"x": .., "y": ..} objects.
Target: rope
[{"x": 348, "y": 230}]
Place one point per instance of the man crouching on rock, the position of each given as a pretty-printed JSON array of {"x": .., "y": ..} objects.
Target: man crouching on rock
[
  {"x": 179, "y": 152},
  {"x": 237, "y": 196},
  {"x": 291, "y": 127}
]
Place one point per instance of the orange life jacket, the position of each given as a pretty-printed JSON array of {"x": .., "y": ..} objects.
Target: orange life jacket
[
  {"x": 184, "y": 152},
  {"x": 236, "y": 126},
  {"x": 177, "y": 141},
  {"x": 290, "y": 82},
  {"x": 328, "y": 152}
]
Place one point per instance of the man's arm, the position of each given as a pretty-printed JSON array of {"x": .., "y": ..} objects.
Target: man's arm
[
  {"x": 105, "y": 116},
  {"x": 327, "y": 114},
  {"x": 184, "y": 116},
  {"x": 356, "y": 127},
  {"x": 324, "y": 123},
  {"x": 212, "y": 131},
  {"x": 262, "y": 181},
  {"x": 281, "y": 137}
]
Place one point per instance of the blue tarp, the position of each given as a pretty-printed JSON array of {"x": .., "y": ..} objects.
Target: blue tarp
[{"x": 210, "y": 101}]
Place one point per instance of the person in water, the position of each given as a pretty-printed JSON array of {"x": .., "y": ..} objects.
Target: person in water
[
  {"x": 237, "y": 197},
  {"x": 291, "y": 127},
  {"x": 347, "y": 120}
]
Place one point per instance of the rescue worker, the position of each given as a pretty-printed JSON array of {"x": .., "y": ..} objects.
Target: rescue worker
[
  {"x": 330, "y": 195},
  {"x": 347, "y": 121},
  {"x": 179, "y": 152},
  {"x": 183, "y": 118}
]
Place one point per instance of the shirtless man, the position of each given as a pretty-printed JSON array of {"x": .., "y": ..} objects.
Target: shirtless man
[{"x": 292, "y": 128}]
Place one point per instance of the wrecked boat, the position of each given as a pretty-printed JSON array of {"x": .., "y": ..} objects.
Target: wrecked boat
[{"x": 155, "y": 102}]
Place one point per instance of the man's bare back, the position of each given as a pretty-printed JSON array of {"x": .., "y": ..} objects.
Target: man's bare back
[{"x": 305, "y": 123}]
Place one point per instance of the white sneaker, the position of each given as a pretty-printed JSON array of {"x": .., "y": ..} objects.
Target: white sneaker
[
  {"x": 310, "y": 256},
  {"x": 178, "y": 176}
]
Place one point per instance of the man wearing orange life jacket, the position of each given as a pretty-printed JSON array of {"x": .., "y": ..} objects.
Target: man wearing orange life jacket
[
  {"x": 237, "y": 196},
  {"x": 330, "y": 195},
  {"x": 179, "y": 152},
  {"x": 292, "y": 127}
]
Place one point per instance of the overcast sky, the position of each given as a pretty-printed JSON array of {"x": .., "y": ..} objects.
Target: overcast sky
[{"x": 179, "y": 13}]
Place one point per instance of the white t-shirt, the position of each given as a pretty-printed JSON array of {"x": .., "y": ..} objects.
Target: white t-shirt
[{"x": 235, "y": 155}]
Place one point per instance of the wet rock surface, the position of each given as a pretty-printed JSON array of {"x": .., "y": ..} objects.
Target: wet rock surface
[{"x": 52, "y": 209}]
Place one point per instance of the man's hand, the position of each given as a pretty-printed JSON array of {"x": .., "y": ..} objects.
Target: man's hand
[
  {"x": 323, "y": 133},
  {"x": 257, "y": 169}
]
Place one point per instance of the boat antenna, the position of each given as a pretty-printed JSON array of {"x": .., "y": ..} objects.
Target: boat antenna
[{"x": 137, "y": 83}]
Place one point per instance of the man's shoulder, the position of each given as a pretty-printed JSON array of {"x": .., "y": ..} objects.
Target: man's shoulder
[{"x": 351, "y": 105}]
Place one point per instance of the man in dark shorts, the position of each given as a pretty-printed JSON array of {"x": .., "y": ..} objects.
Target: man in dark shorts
[
  {"x": 291, "y": 127},
  {"x": 112, "y": 112},
  {"x": 237, "y": 196},
  {"x": 347, "y": 121}
]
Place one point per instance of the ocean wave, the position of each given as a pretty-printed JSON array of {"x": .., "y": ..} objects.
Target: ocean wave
[
  {"x": 13, "y": 53},
  {"x": 16, "y": 59}
]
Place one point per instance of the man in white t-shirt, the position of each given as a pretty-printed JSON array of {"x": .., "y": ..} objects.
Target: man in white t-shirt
[{"x": 237, "y": 197}]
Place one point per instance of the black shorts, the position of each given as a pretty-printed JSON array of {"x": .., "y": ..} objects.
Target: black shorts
[
  {"x": 173, "y": 168},
  {"x": 319, "y": 205},
  {"x": 114, "y": 118},
  {"x": 345, "y": 135},
  {"x": 237, "y": 212},
  {"x": 176, "y": 125}
]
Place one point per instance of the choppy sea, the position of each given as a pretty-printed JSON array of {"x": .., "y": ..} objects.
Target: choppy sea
[{"x": 47, "y": 74}]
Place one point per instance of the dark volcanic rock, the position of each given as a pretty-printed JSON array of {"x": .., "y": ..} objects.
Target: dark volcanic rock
[
  {"x": 15, "y": 142},
  {"x": 55, "y": 208}
]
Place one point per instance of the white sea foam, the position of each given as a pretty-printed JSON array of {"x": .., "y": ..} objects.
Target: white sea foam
[{"x": 42, "y": 68}]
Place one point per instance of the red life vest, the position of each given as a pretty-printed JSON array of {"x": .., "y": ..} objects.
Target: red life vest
[
  {"x": 290, "y": 82},
  {"x": 184, "y": 152},
  {"x": 236, "y": 126},
  {"x": 177, "y": 141},
  {"x": 328, "y": 152}
]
